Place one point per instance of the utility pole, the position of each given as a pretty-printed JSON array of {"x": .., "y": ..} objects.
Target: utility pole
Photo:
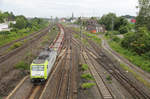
[
  {"x": 52, "y": 20},
  {"x": 112, "y": 23},
  {"x": 80, "y": 33}
]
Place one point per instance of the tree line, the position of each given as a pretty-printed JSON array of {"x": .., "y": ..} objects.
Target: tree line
[
  {"x": 136, "y": 36},
  {"x": 21, "y": 21}
]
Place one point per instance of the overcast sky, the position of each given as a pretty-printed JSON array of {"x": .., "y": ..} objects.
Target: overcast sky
[{"x": 64, "y": 8}]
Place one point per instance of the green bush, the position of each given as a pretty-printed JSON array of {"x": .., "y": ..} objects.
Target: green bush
[
  {"x": 140, "y": 61},
  {"x": 115, "y": 38},
  {"x": 146, "y": 55},
  {"x": 115, "y": 32},
  {"x": 93, "y": 37},
  {"x": 22, "y": 65},
  {"x": 87, "y": 76},
  {"x": 4, "y": 32},
  {"x": 138, "y": 41},
  {"x": 76, "y": 36},
  {"x": 87, "y": 85},
  {"x": 108, "y": 77},
  {"x": 84, "y": 67},
  {"x": 123, "y": 29},
  {"x": 16, "y": 45}
]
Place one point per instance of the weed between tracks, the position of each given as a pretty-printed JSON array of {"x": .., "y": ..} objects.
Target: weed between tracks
[
  {"x": 86, "y": 77},
  {"x": 16, "y": 45},
  {"x": 93, "y": 37},
  {"x": 84, "y": 67},
  {"x": 87, "y": 85}
]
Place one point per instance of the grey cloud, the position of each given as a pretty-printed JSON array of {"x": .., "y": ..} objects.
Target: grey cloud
[{"x": 66, "y": 7}]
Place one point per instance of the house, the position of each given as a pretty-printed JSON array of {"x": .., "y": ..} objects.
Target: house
[
  {"x": 130, "y": 19},
  {"x": 94, "y": 27},
  {"x": 4, "y": 27},
  {"x": 62, "y": 20}
]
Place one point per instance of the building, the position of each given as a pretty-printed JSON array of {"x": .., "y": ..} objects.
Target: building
[
  {"x": 131, "y": 19},
  {"x": 4, "y": 27},
  {"x": 94, "y": 27}
]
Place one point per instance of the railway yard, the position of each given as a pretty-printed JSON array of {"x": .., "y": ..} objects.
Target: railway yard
[{"x": 82, "y": 70}]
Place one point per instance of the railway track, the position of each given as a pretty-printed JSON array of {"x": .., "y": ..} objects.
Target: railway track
[
  {"x": 38, "y": 91},
  {"x": 63, "y": 91},
  {"x": 4, "y": 48},
  {"x": 34, "y": 38},
  {"x": 103, "y": 89},
  {"x": 33, "y": 92},
  {"x": 121, "y": 59},
  {"x": 134, "y": 89},
  {"x": 63, "y": 83}
]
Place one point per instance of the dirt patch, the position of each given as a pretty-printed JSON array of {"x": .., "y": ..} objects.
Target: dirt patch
[{"x": 8, "y": 82}]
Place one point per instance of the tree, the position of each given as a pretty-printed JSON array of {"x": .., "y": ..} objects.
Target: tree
[
  {"x": 138, "y": 41},
  {"x": 143, "y": 18},
  {"x": 120, "y": 22},
  {"x": 107, "y": 20},
  {"x": 1, "y": 18},
  {"x": 112, "y": 21},
  {"x": 21, "y": 22},
  {"x": 123, "y": 29},
  {"x": 6, "y": 16},
  {"x": 11, "y": 16}
]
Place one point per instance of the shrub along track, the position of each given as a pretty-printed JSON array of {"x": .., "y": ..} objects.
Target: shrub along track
[{"x": 11, "y": 76}]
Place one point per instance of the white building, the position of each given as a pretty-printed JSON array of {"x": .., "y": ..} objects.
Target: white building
[{"x": 4, "y": 27}]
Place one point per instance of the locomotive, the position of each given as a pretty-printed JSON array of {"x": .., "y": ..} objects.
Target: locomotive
[{"x": 41, "y": 67}]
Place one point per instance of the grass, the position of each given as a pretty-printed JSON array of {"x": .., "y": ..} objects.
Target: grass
[
  {"x": 134, "y": 58},
  {"x": 87, "y": 85},
  {"x": 108, "y": 77},
  {"x": 16, "y": 45},
  {"x": 138, "y": 77},
  {"x": 131, "y": 56},
  {"x": 11, "y": 37},
  {"x": 93, "y": 37},
  {"x": 84, "y": 67},
  {"x": 85, "y": 42},
  {"x": 87, "y": 76},
  {"x": 18, "y": 33},
  {"x": 22, "y": 65},
  {"x": 76, "y": 36}
]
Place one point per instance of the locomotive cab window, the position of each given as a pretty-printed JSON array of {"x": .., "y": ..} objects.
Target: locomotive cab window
[{"x": 37, "y": 68}]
